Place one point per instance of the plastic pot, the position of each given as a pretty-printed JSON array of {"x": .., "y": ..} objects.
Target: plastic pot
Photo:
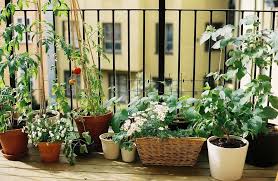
[
  {"x": 128, "y": 155},
  {"x": 263, "y": 150},
  {"x": 96, "y": 125},
  {"x": 49, "y": 152},
  {"x": 226, "y": 163},
  {"x": 111, "y": 150},
  {"x": 14, "y": 144}
]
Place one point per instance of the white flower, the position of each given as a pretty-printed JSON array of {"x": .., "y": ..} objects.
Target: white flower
[
  {"x": 161, "y": 128},
  {"x": 39, "y": 134},
  {"x": 126, "y": 125}
]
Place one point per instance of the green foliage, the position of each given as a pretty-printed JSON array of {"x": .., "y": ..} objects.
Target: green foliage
[
  {"x": 148, "y": 117},
  {"x": 61, "y": 103},
  {"x": 44, "y": 130},
  {"x": 223, "y": 111},
  {"x": 59, "y": 7},
  {"x": 7, "y": 101}
]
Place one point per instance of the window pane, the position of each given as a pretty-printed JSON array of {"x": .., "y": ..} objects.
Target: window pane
[
  {"x": 168, "y": 37},
  {"x": 108, "y": 37},
  {"x": 19, "y": 20},
  {"x": 117, "y": 46}
]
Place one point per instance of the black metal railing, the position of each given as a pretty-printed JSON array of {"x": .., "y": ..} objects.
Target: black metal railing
[{"x": 161, "y": 53}]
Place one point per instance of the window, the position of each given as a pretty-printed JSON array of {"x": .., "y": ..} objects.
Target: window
[
  {"x": 120, "y": 87},
  {"x": 20, "y": 20},
  {"x": 108, "y": 37},
  {"x": 168, "y": 38},
  {"x": 67, "y": 77}
]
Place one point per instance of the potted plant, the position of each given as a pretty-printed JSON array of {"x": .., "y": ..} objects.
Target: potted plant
[
  {"x": 156, "y": 143},
  {"x": 228, "y": 114},
  {"x": 111, "y": 149},
  {"x": 10, "y": 127},
  {"x": 91, "y": 113},
  {"x": 16, "y": 101},
  {"x": 49, "y": 136},
  {"x": 126, "y": 140}
]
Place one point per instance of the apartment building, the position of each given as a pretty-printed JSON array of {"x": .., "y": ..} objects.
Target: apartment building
[
  {"x": 151, "y": 44},
  {"x": 136, "y": 44}
]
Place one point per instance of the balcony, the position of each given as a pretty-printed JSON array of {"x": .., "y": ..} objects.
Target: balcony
[{"x": 149, "y": 50}]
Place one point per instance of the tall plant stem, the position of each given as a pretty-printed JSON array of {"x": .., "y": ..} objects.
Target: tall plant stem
[
  {"x": 41, "y": 70},
  {"x": 219, "y": 64}
]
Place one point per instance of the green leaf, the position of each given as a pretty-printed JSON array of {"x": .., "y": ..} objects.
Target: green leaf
[
  {"x": 83, "y": 149},
  {"x": 87, "y": 137},
  {"x": 269, "y": 113},
  {"x": 273, "y": 101},
  {"x": 118, "y": 119}
]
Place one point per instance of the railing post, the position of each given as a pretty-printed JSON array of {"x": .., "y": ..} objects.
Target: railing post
[
  {"x": 161, "y": 48},
  {"x": 9, "y": 22}
]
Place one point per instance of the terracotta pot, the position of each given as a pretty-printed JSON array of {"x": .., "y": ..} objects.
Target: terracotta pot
[
  {"x": 49, "y": 152},
  {"x": 96, "y": 125},
  {"x": 14, "y": 144},
  {"x": 111, "y": 150}
]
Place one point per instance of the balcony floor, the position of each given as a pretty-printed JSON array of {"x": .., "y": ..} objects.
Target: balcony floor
[{"x": 98, "y": 168}]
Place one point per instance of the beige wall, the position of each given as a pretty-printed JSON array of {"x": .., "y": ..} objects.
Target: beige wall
[{"x": 136, "y": 39}]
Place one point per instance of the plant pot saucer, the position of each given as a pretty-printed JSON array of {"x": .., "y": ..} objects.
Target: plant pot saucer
[{"x": 14, "y": 157}]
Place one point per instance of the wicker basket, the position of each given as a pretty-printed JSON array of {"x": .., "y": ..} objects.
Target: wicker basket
[{"x": 170, "y": 151}]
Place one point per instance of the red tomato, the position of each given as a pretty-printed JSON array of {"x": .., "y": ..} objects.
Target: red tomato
[{"x": 76, "y": 70}]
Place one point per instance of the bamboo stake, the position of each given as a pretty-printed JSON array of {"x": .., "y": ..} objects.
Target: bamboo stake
[{"x": 41, "y": 73}]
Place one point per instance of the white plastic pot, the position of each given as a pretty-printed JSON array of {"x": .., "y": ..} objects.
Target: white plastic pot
[
  {"x": 128, "y": 155},
  {"x": 111, "y": 150},
  {"x": 226, "y": 163}
]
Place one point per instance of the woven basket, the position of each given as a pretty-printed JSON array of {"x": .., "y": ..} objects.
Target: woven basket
[{"x": 170, "y": 151}]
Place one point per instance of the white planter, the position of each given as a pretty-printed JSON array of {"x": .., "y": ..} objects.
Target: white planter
[
  {"x": 128, "y": 156},
  {"x": 111, "y": 150},
  {"x": 226, "y": 163}
]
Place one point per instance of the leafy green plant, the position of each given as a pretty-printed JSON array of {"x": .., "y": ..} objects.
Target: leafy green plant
[
  {"x": 223, "y": 111},
  {"x": 6, "y": 108},
  {"x": 23, "y": 63},
  {"x": 149, "y": 116}
]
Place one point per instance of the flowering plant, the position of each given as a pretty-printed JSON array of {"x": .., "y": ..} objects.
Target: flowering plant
[
  {"x": 44, "y": 130},
  {"x": 148, "y": 117}
]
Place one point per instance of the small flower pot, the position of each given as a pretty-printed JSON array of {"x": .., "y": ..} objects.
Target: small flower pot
[
  {"x": 96, "y": 125},
  {"x": 14, "y": 144},
  {"x": 111, "y": 150},
  {"x": 226, "y": 163},
  {"x": 49, "y": 152},
  {"x": 128, "y": 155}
]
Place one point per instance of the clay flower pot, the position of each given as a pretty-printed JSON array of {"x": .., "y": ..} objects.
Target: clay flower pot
[
  {"x": 95, "y": 125},
  {"x": 111, "y": 150},
  {"x": 14, "y": 144},
  {"x": 49, "y": 152}
]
